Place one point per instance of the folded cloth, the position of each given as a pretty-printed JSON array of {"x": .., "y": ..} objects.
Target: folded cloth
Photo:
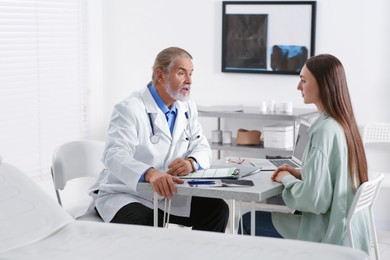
[{"x": 248, "y": 137}]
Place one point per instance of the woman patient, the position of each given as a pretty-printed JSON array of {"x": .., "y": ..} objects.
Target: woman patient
[{"x": 334, "y": 166}]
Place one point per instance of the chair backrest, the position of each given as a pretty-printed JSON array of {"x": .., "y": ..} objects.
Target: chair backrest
[
  {"x": 365, "y": 197},
  {"x": 376, "y": 133},
  {"x": 79, "y": 160},
  {"x": 376, "y": 139},
  {"x": 75, "y": 160}
]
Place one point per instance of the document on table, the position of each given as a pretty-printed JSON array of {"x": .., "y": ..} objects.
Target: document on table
[{"x": 216, "y": 173}]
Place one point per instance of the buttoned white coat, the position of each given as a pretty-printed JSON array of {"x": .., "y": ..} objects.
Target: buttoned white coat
[{"x": 129, "y": 152}]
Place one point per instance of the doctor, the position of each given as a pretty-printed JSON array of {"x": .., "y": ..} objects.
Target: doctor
[{"x": 154, "y": 136}]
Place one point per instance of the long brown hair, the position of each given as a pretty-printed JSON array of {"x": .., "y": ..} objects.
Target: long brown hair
[{"x": 336, "y": 102}]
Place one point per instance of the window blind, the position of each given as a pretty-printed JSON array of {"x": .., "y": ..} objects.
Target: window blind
[{"x": 42, "y": 80}]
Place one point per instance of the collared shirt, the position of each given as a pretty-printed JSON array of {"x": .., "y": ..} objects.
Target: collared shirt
[
  {"x": 324, "y": 193},
  {"x": 170, "y": 114}
]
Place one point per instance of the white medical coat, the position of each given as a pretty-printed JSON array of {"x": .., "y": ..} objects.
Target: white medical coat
[{"x": 129, "y": 152}]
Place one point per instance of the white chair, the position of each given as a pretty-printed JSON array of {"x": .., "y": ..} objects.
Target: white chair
[
  {"x": 365, "y": 198},
  {"x": 376, "y": 140},
  {"x": 376, "y": 133},
  {"x": 79, "y": 160}
]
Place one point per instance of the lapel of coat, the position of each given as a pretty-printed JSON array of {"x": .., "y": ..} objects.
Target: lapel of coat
[
  {"x": 181, "y": 121},
  {"x": 158, "y": 118}
]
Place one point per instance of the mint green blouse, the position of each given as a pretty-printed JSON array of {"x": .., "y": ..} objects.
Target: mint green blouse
[{"x": 324, "y": 194}]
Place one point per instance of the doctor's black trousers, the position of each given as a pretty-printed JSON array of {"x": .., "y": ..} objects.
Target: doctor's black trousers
[{"x": 207, "y": 214}]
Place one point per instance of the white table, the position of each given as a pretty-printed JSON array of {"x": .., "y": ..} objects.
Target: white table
[{"x": 263, "y": 189}]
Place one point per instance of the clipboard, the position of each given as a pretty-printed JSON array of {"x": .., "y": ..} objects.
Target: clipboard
[
  {"x": 237, "y": 183},
  {"x": 214, "y": 173}
]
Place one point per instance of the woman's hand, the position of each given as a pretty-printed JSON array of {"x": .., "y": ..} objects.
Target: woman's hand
[{"x": 285, "y": 170}]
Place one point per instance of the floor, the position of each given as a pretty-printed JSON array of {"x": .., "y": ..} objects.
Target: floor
[{"x": 47, "y": 185}]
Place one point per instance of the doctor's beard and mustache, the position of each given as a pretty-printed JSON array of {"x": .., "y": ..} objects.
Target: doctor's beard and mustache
[{"x": 177, "y": 95}]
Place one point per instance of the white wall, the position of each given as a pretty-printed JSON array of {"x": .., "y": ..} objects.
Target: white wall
[
  {"x": 126, "y": 36},
  {"x": 134, "y": 32},
  {"x": 95, "y": 69}
]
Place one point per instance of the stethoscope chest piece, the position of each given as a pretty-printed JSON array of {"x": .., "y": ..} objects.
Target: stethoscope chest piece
[{"x": 155, "y": 139}]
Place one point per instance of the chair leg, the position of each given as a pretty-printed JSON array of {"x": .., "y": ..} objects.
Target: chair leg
[
  {"x": 57, "y": 192},
  {"x": 59, "y": 198},
  {"x": 350, "y": 235},
  {"x": 375, "y": 238}
]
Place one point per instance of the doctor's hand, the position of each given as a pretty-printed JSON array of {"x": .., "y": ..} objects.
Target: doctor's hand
[
  {"x": 162, "y": 183},
  {"x": 285, "y": 170},
  {"x": 179, "y": 167}
]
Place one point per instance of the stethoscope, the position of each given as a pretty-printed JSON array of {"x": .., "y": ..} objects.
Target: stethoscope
[{"x": 154, "y": 139}]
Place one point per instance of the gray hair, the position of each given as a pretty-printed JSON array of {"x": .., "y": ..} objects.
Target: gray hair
[{"x": 167, "y": 58}]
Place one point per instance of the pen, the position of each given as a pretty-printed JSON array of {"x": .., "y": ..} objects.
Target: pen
[
  {"x": 251, "y": 163},
  {"x": 251, "y": 173},
  {"x": 200, "y": 182}
]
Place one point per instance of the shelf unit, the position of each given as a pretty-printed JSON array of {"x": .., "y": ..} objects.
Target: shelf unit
[{"x": 254, "y": 113}]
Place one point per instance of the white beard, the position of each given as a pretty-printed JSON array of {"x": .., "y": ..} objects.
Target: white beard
[{"x": 176, "y": 95}]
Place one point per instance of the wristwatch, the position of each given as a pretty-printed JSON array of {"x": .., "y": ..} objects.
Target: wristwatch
[{"x": 194, "y": 164}]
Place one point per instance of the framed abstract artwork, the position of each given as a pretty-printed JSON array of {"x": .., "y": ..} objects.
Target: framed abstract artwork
[{"x": 267, "y": 37}]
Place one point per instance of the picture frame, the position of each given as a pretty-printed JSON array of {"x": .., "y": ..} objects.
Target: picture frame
[{"x": 267, "y": 37}]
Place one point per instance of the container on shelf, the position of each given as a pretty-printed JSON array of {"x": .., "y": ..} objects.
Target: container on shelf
[{"x": 278, "y": 136}]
